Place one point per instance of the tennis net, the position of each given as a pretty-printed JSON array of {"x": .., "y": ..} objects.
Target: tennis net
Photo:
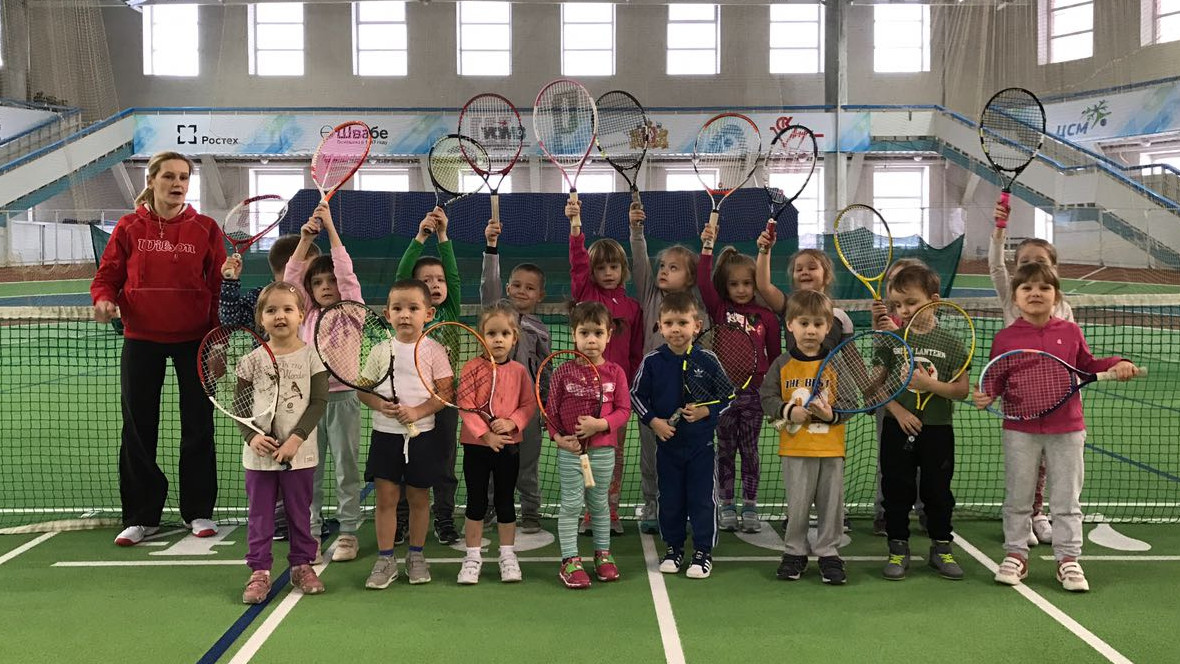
[{"x": 60, "y": 418}]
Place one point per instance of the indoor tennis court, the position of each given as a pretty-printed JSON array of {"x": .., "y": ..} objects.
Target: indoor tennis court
[{"x": 704, "y": 114}]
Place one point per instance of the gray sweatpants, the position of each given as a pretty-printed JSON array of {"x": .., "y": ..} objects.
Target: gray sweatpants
[
  {"x": 818, "y": 480},
  {"x": 339, "y": 432},
  {"x": 648, "y": 483},
  {"x": 1066, "y": 471}
]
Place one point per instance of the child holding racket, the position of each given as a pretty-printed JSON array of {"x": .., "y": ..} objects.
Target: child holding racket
[
  {"x": 933, "y": 450},
  {"x": 303, "y": 396},
  {"x": 491, "y": 449},
  {"x": 1059, "y": 437},
  {"x": 525, "y": 290},
  {"x": 1030, "y": 250},
  {"x": 441, "y": 276},
  {"x": 592, "y": 324},
  {"x": 676, "y": 269},
  {"x": 684, "y": 457},
  {"x": 396, "y": 459},
  {"x": 810, "y": 269},
  {"x": 812, "y": 455},
  {"x": 600, "y": 275},
  {"x": 728, "y": 293},
  {"x": 326, "y": 280}
]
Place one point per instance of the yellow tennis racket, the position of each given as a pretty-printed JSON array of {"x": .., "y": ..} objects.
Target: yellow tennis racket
[
  {"x": 942, "y": 337},
  {"x": 865, "y": 245}
]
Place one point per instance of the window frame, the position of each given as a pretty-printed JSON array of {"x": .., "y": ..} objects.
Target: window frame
[
  {"x": 614, "y": 35},
  {"x": 821, "y": 38},
  {"x": 1048, "y": 53},
  {"x": 460, "y": 50},
  {"x": 716, "y": 48},
  {"x": 925, "y": 37},
  {"x": 253, "y": 49},
  {"x": 881, "y": 201},
  {"x": 357, "y": 50},
  {"x": 150, "y": 21}
]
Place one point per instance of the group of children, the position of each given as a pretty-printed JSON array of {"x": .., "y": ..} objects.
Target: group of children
[{"x": 638, "y": 348}]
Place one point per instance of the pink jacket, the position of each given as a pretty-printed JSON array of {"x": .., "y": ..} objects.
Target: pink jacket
[
  {"x": 512, "y": 399},
  {"x": 346, "y": 282},
  {"x": 626, "y": 344},
  {"x": 1063, "y": 339},
  {"x": 616, "y": 405}
]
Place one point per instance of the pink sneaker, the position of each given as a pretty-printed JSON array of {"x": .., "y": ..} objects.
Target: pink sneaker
[
  {"x": 257, "y": 588},
  {"x": 573, "y": 575},
  {"x": 304, "y": 578},
  {"x": 605, "y": 567}
]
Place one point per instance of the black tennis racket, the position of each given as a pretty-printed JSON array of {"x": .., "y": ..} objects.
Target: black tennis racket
[
  {"x": 1011, "y": 131},
  {"x": 706, "y": 380},
  {"x": 623, "y": 136},
  {"x": 1030, "y": 384},
  {"x": 793, "y": 152},
  {"x": 450, "y": 157}
]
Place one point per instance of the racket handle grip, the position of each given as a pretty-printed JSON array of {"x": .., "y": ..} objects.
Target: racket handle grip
[
  {"x": 1004, "y": 198},
  {"x": 412, "y": 430},
  {"x": 496, "y": 208},
  {"x": 576, "y": 222},
  {"x": 587, "y": 475},
  {"x": 229, "y": 274},
  {"x": 772, "y": 229},
  {"x": 636, "y": 202},
  {"x": 708, "y": 244},
  {"x": 1109, "y": 375}
]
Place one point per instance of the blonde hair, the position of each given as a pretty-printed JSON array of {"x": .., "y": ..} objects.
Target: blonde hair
[
  {"x": 268, "y": 291},
  {"x": 825, "y": 263},
  {"x": 728, "y": 261},
  {"x": 690, "y": 260},
  {"x": 147, "y": 196},
  {"x": 499, "y": 308},
  {"x": 809, "y": 303},
  {"x": 608, "y": 250}
]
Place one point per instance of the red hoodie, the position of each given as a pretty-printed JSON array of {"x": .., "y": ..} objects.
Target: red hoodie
[
  {"x": 165, "y": 275},
  {"x": 626, "y": 342},
  {"x": 1061, "y": 338}
]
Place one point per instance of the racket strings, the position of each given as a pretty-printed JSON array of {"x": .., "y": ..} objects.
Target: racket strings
[
  {"x": 231, "y": 373},
  {"x": 622, "y": 130},
  {"x": 462, "y": 345},
  {"x": 730, "y": 147},
  {"x": 354, "y": 344},
  {"x": 703, "y": 383},
  {"x": 339, "y": 155},
  {"x": 943, "y": 339},
  {"x": 734, "y": 348},
  {"x": 859, "y": 243},
  {"x": 867, "y": 372},
  {"x": 1027, "y": 385},
  {"x": 565, "y": 122},
  {"x": 453, "y": 155},
  {"x": 1012, "y": 127},
  {"x": 493, "y": 123},
  {"x": 574, "y": 390},
  {"x": 476, "y": 383}
]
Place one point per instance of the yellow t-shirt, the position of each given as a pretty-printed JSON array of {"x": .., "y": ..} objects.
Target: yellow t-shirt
[{"x": 816, "y": 439}]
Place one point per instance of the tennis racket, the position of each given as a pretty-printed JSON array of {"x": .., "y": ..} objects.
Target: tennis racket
[
  {"x": 861, "y": 374},
  {"x": 243, "y": 226},
  {"x": 733, "y": 347},
  {"x": 470, "y": 357},
  {"x": 1029, "y": 384},
  {"x": 1011, "y": 131},
  {"x": 339, "y": 155},
  {"x": 565, "y": 122},
  {"x": 450, "y": 157},
  {"x": 568, "y": 387},
  {"x": 724, "y": 157},
  {"x": 864, "y": 244},
  {"x": 241, "y": 377},
  {"x": 356, "y": 346},
  {"x": 793, "y": 152},
  {"x": 623, "y": 136},
  {"x": 495, "y": 123},
  {"x": 942, "y": 337}
]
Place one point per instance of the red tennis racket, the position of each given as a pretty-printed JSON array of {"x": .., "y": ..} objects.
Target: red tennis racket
[
  {"x": 724, "y": 157},
  {"x": 492, "y": 121},
  {"x": 339, "y": 155},
  {"x": 250, "y": 221},
  {"x": 565, "y": 122}
]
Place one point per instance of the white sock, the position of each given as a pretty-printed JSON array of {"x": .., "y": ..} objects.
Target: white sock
[
  {"x": 474, "y": 553},
  {"x": 507, "y": 551}
]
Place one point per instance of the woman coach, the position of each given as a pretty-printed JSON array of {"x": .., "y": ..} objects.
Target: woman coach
[{"x": 161, "y": 270}]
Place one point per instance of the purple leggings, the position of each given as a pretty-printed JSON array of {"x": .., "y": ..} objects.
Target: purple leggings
[
  {"x": 737, "y": 431},
  {"x": 262, "y": 493}
]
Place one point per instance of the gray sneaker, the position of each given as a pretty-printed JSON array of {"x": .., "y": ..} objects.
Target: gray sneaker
[
  {"x": 750, "y": 521},
  {"x": 530, "y": 525},
  {"x": 942, "y": 559},
  {"x": 417, "y": 568},
  {"x": 899, "y": 560},
  {"x": 728, "y": 520},
  {"x": 384, "y": 573}
]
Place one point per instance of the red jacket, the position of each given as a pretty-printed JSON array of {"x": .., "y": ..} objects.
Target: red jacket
[
  {"x": 1061, "y": 338},
  {"x": 626, "y": 342},
  {"x": 165, "y": 275}
]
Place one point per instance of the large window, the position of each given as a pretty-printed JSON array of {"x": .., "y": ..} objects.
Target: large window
[
  {"x": 193, "y": 198},
  {"x": 694, "y": 39},
  {"x": 284, "y": 182},
  {"x": 471, "y": 181},
  {"x": 1066, "y": 30},
  {"x": 796, "y": 39},
  {"x": 1042, "y": 224},
  {"x": 595, "y": 181},
  {"x": 381, "y": 179},
  {"x": 1160, "y": 21},
  {"x": 485, "y": 38},
  {"x": 901, "y": 38},
  {"x": 587, "y": 39},
  {"x": 276, "y": 39},
  {"x": 685, "y": 179},
  {"x": 170, "y": 40},
  {"x": 902, "y": 196},
  {"x": 809, "y": 204},
  {"x": 379, "y": 38}
]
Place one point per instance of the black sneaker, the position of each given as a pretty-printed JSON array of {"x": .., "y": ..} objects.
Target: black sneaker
[
  {"x": 847, "y": 525},
  {"x": 445, "y": 532},
  {"x": 791, "y": 567},
  {"x": 831, "y": 568},
  {"x": 280, "y": 533},
  {"x": 672, "y": 561},
  {"x": 701, "y": 565},
  {"x": 402, "y": 530}
]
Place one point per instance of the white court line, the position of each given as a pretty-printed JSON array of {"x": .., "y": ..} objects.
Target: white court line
[
  {"x": 775, "y": 559},
  {"x": 1149, "y": 559},
  {"x": 147, "y": 563},
  {"x": 1091, "y": 639},
  {"x": 673, "y": 650},
  {"x": 24, "y": 547}
]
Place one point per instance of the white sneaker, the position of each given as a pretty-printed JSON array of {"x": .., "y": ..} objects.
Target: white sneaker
[
  {"x": 1071, "y": 576},
  {"x": 346, "y": 548},
  {"x": 133, "y": 535},
  {"x": 1012, "y": 571},
  {"x": 469, "y": 573},
  {"x": 1043, "y": 529},
  {"x": 1032, "y": 535},
  {"x": 203, "y": 528},
  {"x": 510, "y": 570}
]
